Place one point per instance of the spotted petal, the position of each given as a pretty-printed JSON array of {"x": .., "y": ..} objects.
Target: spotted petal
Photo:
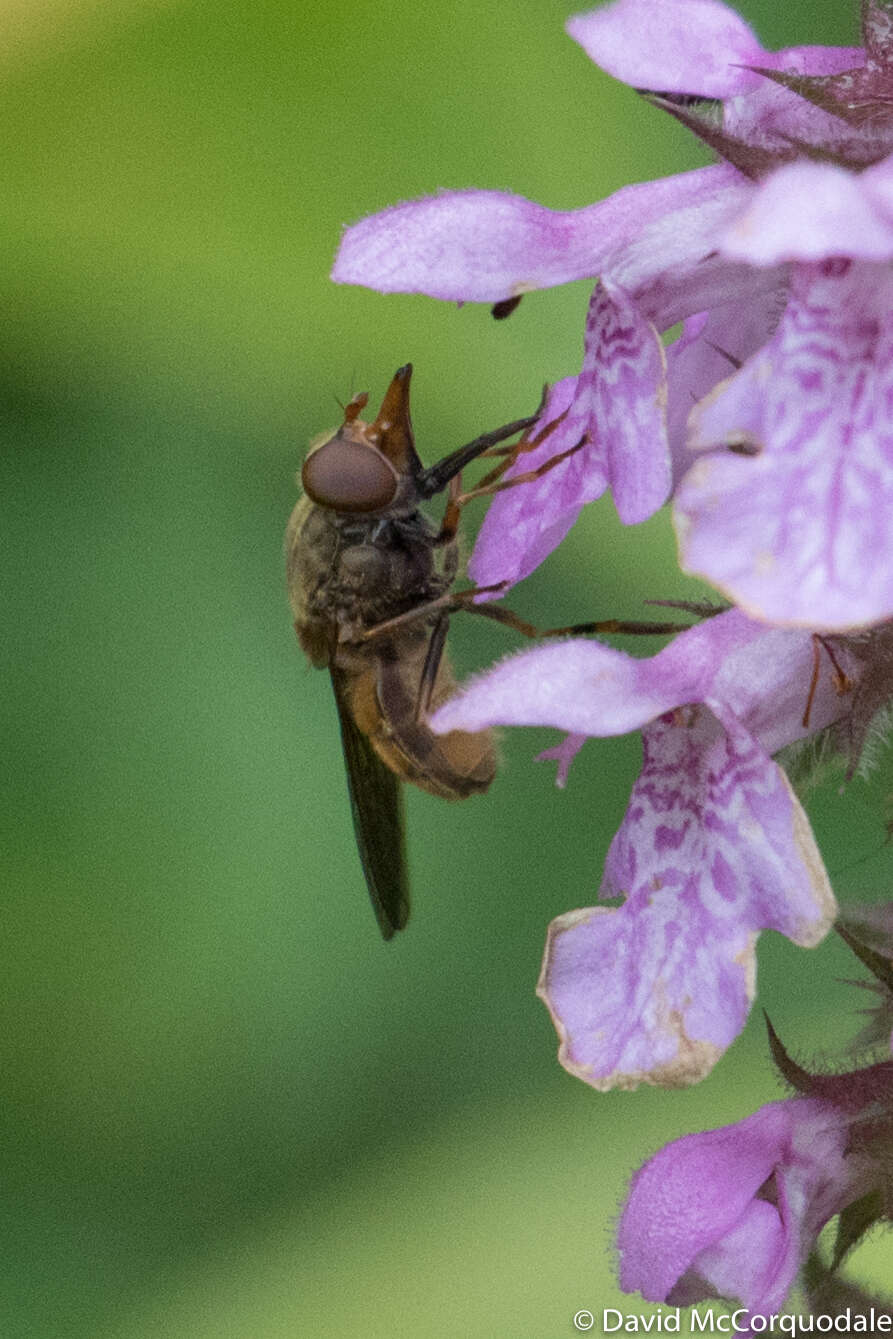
[
  {"x": 799, "y": 532},
  {"x": 621, "y": 402},
  {"x": 714, "y": 848},
  {"x": 617, "y": 409}
]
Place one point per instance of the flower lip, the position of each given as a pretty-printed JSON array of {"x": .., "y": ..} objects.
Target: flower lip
[{"x": 713, "y": 849}]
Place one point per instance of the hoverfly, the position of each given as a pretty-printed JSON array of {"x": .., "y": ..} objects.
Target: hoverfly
[
  {"x": 370, "y": 584},
  {"x": 369, "y": 578}
]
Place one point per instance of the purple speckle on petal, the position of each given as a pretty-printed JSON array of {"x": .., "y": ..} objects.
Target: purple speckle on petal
[{"x": 723, "y": 876}]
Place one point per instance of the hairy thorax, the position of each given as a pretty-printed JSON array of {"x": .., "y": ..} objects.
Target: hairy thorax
[{"x": 353, "y": 573}]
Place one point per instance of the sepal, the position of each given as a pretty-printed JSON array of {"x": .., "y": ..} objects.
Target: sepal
[
  {"x": 800, "y": 1079},
  {"x": 700, "y": 117},
  {"x": 859, "y": 97},
  {"x": 826, "y": 1293},
  {"x": 854, "y": 1221},
  {"x": 870, "y": 942}
]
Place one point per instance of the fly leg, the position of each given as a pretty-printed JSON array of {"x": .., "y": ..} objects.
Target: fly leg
[
  {"x": 449, "y": 526},
  {"x": 431, "y": 666},
  {"x": 453, "y": 601},
  {"x": 494, "y": 482},
  {"x": 443, "y": 604},
  {"x": 841, "y": 680},
  {"x": 465, "y": 599},
  {"x": 436, "y": 478},
  {"x": 487, "y": 489}
]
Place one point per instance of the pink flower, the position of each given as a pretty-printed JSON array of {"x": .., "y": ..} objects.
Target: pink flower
[
  {"x": 796, "y": 528},
  {"x": 735, "y": 1212},
  {"x": 714, "y": 848},
  {"x": 776, "y": 265},
  {"x": 769, "y": 425},
  {"x": 651, "y": 243}
]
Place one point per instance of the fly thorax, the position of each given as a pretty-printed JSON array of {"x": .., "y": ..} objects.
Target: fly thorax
[{"x": 363, "y": 568}]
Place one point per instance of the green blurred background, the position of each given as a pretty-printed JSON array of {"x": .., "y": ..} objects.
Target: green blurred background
[{"x": 229, "y": 1109}]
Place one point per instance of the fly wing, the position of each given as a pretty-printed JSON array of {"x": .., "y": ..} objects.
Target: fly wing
[{"x": 376, "y": 801}]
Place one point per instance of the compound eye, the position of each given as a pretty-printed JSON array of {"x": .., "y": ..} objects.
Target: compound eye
[{"x": 345, "y": 476}]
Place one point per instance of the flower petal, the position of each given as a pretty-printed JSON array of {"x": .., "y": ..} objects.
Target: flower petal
[
  {"x": 799, "y": 533},
  {"x": 579, "y": 686},
  {"x": 692, "y": 1193},
  {"x": 734, "y": 1211},
  {"x": 711, "y": 806},
  {"x": 619, "y": 1021},
  {"x": 675, "y": 46},
  {"x": 618, "y": 402},
  {"x": 760, "y": 674},
  {"x": 617, "y": 407},
  {"x": 808, "y": 211},
  {"x": 748, "y": 1260},
  {"x": 621, "y": 401},
  {"x": 813, "y": 1179},
  {"x": 714, "y": 848},
  {"x": 485, "y": 246},
  {"x": 563, "y": 754},
  {"x": 524, "y": 524},
  {"x": 700, "y": 47},
  {"x": 710, "y": 346}
]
